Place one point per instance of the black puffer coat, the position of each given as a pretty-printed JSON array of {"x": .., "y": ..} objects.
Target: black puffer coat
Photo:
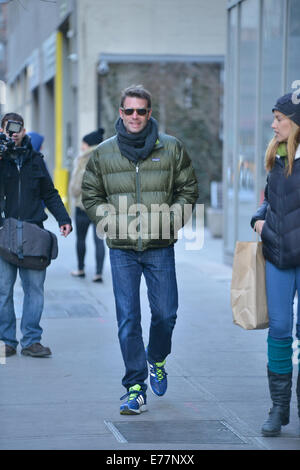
[
  {"x": 28, "y": 187},
  {"x": 281, "y": 212}
]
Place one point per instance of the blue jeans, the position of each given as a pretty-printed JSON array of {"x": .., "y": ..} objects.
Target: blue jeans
[
  {"x": 158, "y": 267},
  {"x": 281, "y": 286},
  {"x": 33, "y": 303}
]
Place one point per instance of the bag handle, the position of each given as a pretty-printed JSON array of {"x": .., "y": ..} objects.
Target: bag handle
[
  {"x": 19, "y": 222},
  {"x": 20, "y": 239}
]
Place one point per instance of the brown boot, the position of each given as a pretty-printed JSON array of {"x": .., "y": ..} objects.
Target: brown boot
[{"x": 36, "y": 350}]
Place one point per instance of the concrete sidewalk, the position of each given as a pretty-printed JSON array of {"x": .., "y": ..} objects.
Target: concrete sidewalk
[{"x": 217, "y": 396}]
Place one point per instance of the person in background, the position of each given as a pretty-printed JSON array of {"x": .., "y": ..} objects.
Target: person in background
[
  {"x": 277, "y": 221},
  {"x": 82, "y": 221},
  {"x": 36, "y": 140},
  {"x": 37, "y": 143}
]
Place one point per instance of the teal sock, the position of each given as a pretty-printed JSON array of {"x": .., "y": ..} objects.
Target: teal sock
[{"x": 280, "y": 353}]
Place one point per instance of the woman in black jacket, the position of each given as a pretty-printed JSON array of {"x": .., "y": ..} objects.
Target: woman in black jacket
[{"x": 277, "y": 221}]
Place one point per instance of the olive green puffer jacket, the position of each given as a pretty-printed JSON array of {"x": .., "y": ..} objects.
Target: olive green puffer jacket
[{"x": 131, "y": 202}]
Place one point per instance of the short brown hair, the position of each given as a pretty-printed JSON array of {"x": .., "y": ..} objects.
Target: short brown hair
[
  {"x": 137, "y": 91},
  {"x": 12, "y": 117}
]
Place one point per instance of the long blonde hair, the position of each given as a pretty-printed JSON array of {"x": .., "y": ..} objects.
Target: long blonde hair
[{"x": 292, "y": 144}]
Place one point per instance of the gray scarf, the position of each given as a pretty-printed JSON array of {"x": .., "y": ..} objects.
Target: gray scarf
[{"x": 140, "y": 145}]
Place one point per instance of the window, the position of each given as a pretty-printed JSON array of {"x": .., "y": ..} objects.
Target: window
[
  {"x": 230, "y": 126},
  {"x": 293, "y": 46},
  {"x": 247, "y": 115},
  {"x": 271, "y": 74}
]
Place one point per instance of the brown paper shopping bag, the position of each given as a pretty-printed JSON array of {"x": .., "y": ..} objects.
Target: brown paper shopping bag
[{"x": 248, "y": 287}]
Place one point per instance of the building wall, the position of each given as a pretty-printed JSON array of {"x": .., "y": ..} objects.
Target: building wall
[
  {"x": 169, "y": 27},
  {"x": 3, "y": 32},
  {"x": 88, "y": 29},
  {"x": 29, "y": 24},
  {"x": 31, "y": 53}
]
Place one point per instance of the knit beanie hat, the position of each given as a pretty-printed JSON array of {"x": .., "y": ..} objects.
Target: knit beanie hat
[
  {"x": 287, "y": 105},
  {"x": 94, "y": 138},
  {"x": 36, "y": 140}
]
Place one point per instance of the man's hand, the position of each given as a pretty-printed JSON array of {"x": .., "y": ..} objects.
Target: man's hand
[
  {"x": 65, "y": 229},
  {"x": 259, "y": 226}
]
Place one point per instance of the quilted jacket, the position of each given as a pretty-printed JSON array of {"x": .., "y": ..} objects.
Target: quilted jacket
[
  {"x": 131, "y": 202},
  {"x": 281, "y": 212}
]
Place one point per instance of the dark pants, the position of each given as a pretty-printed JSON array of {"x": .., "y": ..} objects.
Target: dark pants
[
  {"x": 158, "y": 267},
  {"x": 82, "y": 224}
]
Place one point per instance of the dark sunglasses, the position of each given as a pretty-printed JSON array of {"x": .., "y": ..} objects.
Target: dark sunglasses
[{"x": 130, "y": 111}]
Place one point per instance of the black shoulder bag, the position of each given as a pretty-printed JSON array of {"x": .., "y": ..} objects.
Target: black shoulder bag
[{"x": 24, "y": 244}]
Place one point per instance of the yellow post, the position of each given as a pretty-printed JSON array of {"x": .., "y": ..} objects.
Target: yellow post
[{"x": 60, "y": 173}]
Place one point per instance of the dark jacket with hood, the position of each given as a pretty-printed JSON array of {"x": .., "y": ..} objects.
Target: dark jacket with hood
[
  {"x": 27, "y": 184},
  {"x": 281, "y": 212}
]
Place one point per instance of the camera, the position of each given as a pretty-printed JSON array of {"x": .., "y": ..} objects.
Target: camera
[
  {"x": 13, "y": 127},
  {"x": 8, "y": 147}
]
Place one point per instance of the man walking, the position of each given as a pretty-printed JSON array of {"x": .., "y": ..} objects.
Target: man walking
[
  {"x": 27, "y": 188},
  {"x": 137, "y": 176}
]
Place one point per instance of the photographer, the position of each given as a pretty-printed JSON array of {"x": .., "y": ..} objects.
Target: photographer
[{"x": 24, "y": 184}]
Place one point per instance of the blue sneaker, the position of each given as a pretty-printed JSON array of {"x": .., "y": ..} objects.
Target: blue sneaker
[
  {"x": 158, "y": 382},
  {"x": 136, "y": 403}
]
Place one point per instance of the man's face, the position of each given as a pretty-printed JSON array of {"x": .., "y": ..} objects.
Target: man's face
[
  {"x": 135, "y": 123},
  {"x": 17, "y": 137}
]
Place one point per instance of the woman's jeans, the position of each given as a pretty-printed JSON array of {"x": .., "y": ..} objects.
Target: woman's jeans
[
  {"x": 82, "y": 224},
  {"x": 33, "y": 303},
  {"x": 158, "y": 267},
  {"x": 281, "y": 287}
]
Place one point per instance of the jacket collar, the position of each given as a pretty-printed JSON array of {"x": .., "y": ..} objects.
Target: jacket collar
[{"x": 159, "y": 143}]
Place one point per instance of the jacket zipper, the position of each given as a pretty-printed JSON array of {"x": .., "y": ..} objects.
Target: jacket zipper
[
  {"x": 280, "y": 218},
  {"x": 19, "y": 224},
  {"x": 19, "y": 190},
  {"x": 138, "y": 200}
]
